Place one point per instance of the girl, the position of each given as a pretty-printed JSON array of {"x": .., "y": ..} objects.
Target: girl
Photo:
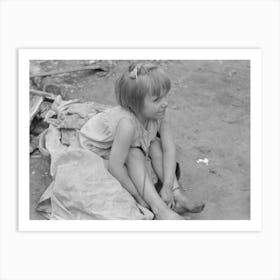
[{"x": 126, "y": 137}]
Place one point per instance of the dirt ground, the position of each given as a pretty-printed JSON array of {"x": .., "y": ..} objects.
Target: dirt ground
[{"x": 210, "y": 109}]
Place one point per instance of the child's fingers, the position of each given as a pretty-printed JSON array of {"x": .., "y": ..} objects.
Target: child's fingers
[{"x": 169, "y": 204}]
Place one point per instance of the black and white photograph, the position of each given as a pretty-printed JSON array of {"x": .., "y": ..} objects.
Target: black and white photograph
[
  {"x": 98, "y": 128},
  {"x": 140, "y": 139}
]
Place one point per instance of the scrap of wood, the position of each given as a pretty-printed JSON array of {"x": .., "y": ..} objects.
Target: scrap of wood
[
  {"x": 45, "y": 94},
  {"x": 35, "y": 102},
  {"x": 55, "y": 72}
]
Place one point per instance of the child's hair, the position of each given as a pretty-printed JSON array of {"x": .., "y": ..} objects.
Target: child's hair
[{"x": 139, "y": 80}]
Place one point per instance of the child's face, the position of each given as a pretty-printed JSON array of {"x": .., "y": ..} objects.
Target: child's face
[{"x": 154, "y": 107}]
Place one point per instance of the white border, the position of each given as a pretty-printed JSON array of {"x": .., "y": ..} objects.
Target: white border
[{"x": 254, "y": 55}]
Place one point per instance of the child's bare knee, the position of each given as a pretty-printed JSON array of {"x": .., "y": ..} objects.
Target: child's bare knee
[
  {"x": 134, "y": 154},
  {"x": 155, "y": 149}
]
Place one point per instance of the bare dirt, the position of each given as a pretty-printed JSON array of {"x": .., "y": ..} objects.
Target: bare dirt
[{"x": 210, "y": 108}]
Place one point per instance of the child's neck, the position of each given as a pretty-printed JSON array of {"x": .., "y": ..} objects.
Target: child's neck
[{"x": 142, "y": 120}]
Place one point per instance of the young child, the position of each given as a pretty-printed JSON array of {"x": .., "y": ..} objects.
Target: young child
[{"x": 126, "y": 136}]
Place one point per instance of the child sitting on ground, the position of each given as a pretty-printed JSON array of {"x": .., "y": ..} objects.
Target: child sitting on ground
[{"x": 126, "y": 136}]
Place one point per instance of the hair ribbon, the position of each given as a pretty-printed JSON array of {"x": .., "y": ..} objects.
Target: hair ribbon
[{"x": 133, "y": 73}]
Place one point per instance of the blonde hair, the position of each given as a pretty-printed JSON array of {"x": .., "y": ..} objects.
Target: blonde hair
[{"x": 139, "y": 80}]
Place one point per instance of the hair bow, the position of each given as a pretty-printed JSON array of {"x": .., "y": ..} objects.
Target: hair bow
[{"x": 133, "y": 73}]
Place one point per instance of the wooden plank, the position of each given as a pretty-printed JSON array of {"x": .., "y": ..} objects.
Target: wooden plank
[
  {"x": 34, "y": 106},
  {"x": 55, "y": 72},
  {"x": 45, "y": 94}
]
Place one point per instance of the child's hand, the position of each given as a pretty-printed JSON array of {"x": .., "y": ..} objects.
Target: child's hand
[{"x": 167, "y": 196}]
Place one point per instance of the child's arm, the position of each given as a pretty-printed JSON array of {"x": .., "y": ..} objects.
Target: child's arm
[
  {"x": 169, "y": 156},
  {"x": 122, "y": 141}
]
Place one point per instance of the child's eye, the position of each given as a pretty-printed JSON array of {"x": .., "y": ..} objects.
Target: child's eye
[{"x": 157, "y": 99}]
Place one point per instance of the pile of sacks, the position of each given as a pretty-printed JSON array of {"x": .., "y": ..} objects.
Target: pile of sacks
[{"x": 82, "y": 187}]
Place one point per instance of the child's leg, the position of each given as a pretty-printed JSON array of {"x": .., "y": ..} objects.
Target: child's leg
[
  {"x": 140, "y": 200},
  {"x": 181, "y": 199},
  {"x": 136, "y": 169}
]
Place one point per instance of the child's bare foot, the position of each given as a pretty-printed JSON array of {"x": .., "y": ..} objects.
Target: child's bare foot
[
  {"x": 167, "y": 214},
  {"x": 183, "y": 204}
]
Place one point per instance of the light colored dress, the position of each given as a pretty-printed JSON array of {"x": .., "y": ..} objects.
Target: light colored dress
[
  {"x": 97, "y": 135},
  {"x": 82, "y": 187}
]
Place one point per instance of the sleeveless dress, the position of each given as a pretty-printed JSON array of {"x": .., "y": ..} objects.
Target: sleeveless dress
[
  {"x": 82, "y": 187},
  {"x": 97, "y": 135}
]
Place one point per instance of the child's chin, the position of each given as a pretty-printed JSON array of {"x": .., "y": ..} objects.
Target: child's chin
[
  {"x": 160, "y": 116},
  {"x": 157, "y": 117}
]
